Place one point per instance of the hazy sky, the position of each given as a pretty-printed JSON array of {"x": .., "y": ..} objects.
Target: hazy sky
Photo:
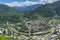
[{"x": 25, "y": 2}]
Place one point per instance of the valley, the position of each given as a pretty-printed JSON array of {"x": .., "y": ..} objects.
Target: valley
[{"x": 41, "y": 22}]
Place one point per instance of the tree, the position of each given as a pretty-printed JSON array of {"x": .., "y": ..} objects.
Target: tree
[{"x": 54, "y": 22}]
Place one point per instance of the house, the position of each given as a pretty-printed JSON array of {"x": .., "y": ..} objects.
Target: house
[
  {"x": 39, "y": 38},
  {"x": 53, "y": 37},
  {"x": 0, "y": 32},
  {"x": 58, "y": 28},
  {"x": 3, "y": 31}
]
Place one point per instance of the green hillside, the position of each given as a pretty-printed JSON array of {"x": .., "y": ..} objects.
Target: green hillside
[
  {"x": 6, "y": 10},
  {"x": 47, "y": 10},
  {"x": 9, "y": 14}
]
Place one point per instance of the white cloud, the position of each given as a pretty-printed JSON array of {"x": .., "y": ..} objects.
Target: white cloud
[
  {"x": 51, "y": 1},
  {"x": 47, "y": 1},
  {"x": 29, "y": 3}
]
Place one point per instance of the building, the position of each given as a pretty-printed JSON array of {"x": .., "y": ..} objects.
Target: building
[
  {"x": 53, "y": 37},
  {"x": 3, "y": 31},
  {"x": 58, "y": 28}
]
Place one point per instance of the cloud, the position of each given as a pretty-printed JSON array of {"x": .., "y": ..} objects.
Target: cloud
[
  {"x": 51, "y": 1},
  {"x": 29, "y": 3},
  {"x": 47, "y": 1}
]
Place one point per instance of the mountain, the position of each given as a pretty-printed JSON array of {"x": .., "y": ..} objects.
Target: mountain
[
  {"x": 6, "y": 10},
  {"x": 28, "y": 7},
  {"x": 47, "y": 10},
  {"x": 9, "y": 14},
  {"x": 33, "y": 7}
]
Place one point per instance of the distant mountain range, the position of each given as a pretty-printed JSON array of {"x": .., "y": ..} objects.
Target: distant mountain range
[
  {"x": 16, "y": 14},
  {"x": 33, "y": 7}
]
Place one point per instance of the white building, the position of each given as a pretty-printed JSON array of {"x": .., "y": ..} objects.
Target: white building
[
  {"x": 53, "y": 37},
  {"x": 3, "y": 31},
  {"x": 58, "y": 28}
]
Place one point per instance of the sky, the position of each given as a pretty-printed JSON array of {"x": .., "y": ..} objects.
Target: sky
[{"x": 25, "y": 2}]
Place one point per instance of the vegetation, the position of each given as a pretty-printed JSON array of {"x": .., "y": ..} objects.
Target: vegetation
[
  {"x": 2, "y": 37},
  {"x": 9, "y": 14},
  {"x": 46, "y": 15},
  {"x": 13, "y": 39},
  {"x": 48, "y": 10}
]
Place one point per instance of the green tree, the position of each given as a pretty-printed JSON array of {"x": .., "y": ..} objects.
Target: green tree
[{"x": 54, "y": 22}]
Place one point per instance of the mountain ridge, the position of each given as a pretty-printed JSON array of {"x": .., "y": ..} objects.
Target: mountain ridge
[
  {"x": 47, "y": 10},
  {"x": 28, "y": 7}
]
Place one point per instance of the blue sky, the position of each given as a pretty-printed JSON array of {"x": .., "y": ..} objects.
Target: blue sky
[
  {"x": 2, "y": 1},
  {"x": 25, "y": 2}
]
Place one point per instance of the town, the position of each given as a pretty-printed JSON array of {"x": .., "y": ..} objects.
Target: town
[
  {"x": 29, "y": 19},
  {"x": 33, "y": 31}
]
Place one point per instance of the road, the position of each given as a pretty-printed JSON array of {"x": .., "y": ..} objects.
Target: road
[
  {"x": 16, "y": 31},
  {"x": 51, "y": 30}
]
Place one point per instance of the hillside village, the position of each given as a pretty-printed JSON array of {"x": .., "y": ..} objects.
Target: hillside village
[
  {"x": 42, "y": 22},
  {"x": 32, "y": 26}
]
